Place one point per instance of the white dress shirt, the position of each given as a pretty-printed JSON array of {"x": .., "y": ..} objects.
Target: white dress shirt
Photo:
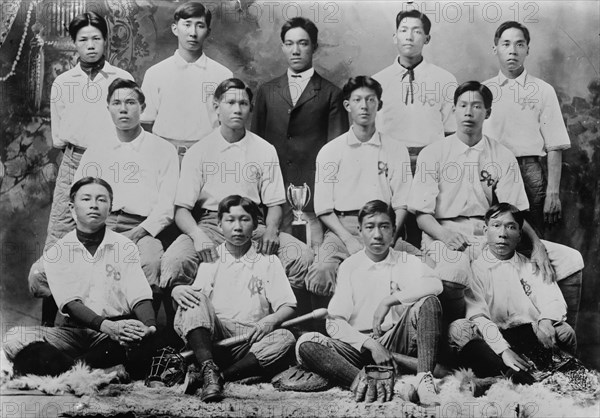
[
  {"x": 362, "y": 284},
  {"x": 179, "y": 97},
  {"x": 143, "y": 174},
  {"x": 526, "y": 116},
  {"x": 78, "y": 110}
]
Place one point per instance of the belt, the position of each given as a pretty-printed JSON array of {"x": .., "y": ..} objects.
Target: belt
[
  {"x": 121, "y": 212},
  {"x": 346, "y": 212},
  {"x": 528, "y": 160},
  {"x": 75, "y": 148}
]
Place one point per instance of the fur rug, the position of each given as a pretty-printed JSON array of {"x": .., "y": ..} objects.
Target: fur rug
[
  {"x": 79, "y": 380},
  {"x": 554, "y": 398}
]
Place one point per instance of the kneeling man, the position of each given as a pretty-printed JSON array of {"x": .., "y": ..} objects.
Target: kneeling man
[
  {"x": 243, "y": 293},
  {"x": 384, "y": 303},
  {"x": 97, "y": 281}
]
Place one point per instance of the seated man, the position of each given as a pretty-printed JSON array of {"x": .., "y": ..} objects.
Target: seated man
[
  {"x": 384, "y": 303},
  {"x": 456, "y": 182},
  {"x": 243, "y": 293},
  {"x": 359, "y": 166},
  {"x": 231, "y": 160},
  {"x": 508, "y": 302},
  {"x": 142, "y": 170},
  {"x": 97, "y": 281}
]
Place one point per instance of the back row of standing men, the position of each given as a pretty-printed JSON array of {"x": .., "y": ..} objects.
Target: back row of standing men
[{"x": 298, "y": 113}]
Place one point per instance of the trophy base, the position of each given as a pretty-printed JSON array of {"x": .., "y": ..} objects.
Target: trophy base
[
  {"x": 301, "y": 231},
  {"x": 300, "y": 222}
]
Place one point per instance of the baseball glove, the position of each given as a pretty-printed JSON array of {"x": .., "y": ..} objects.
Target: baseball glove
[
  {"x": 374, "y": 383},
  {"x": 300, "y": 380}
]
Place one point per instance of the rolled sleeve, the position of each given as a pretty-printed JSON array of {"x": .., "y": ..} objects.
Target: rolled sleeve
[
  {"x": 272, "y": 191},
  {"x": 510, "y": 187},
  {"x": 552, "y": 125},
  {"x": 191, "y": 180},
  {"x": 279, "y": 292},
  {"x": 324, "y": 184},
  {"x": 161, "y": 214},
  {"x": 401, "y": 178},
  {"x": 137, "y": 288},
  {"x": 57, "y": 107},
  {"x": 150, "y": 89},
  {"x": 425, "y": 188}
]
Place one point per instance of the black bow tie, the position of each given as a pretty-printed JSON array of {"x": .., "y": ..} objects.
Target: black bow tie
[{"x": 296, "y": 76}]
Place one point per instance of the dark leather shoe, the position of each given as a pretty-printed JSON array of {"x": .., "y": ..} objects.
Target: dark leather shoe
[{"x": 212, "y": 387}]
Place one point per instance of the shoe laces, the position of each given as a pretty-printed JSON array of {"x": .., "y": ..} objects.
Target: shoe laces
[
  {"x": 428, "y": 383},
  {"x": 210, "y": 374}
]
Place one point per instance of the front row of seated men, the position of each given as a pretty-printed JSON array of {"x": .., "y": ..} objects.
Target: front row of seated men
[{"x": 451, "y": 209}]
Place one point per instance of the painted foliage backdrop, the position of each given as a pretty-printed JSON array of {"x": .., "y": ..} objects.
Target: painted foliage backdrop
[{"x": 355, "y": 38}]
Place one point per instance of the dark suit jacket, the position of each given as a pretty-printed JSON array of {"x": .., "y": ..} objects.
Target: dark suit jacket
[{"x": 298, "y": 132}]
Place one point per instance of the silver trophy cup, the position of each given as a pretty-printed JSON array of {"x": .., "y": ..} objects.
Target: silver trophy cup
[{"x": 299, "y": 196}]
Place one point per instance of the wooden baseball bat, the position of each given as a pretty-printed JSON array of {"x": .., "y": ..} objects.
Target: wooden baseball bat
[
  {"x": 228, "y": 342},
  {"x": 316, "y": 314},
  {"x": 410, "y": 363}
]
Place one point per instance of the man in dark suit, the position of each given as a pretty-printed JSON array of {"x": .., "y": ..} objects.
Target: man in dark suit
[{"x": 298, "y": 113}]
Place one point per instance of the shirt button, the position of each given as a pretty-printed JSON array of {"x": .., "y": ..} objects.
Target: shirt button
[
  {"x": 289, "y": 162},
  {"x": 289, "y": 137},
  {"x": 289, "y": 111}
]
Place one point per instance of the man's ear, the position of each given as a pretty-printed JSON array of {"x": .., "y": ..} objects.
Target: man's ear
[
  {"x": 380, "y": 105},
  {"x": 315, "y": 47},
  {"x": 347, "y": 105},
  {"x": 72, "y": 210},
  {"x": 485, "y": 229},
  {"x": 174, "y": 29},
  {"x": 488, "y": 112},
  {"x": 143, "y": 106},
  {"x": 495, "y": 49},
  {"x": 427, "y": 39}
]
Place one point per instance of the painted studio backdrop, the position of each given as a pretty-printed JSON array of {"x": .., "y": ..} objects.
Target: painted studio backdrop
[{"x": 355, "y": 38}]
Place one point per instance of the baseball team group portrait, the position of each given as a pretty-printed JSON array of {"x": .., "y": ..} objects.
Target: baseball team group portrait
[{"x": 310, "y": 208}]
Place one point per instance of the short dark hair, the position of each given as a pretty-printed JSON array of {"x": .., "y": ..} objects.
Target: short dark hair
[
  {"x": 88, "y": 19},
  {"x": 509, "y": 25},
  {"x": 482, "y": 89},
  {"x": 304, "y": 23},
  {"x": 355, "y": 83},
  {"x": 122, "y": 83},
  {"x": 231, "y": 83},
  {"x": 374, "y": 207},
  {"x": 89, "y": 180},
  {"x": 417, "y": 15},
  {"x": 236, "y": 200},
  {"x": 503, "y": 207},
  {"x": 192, "y": 9}
]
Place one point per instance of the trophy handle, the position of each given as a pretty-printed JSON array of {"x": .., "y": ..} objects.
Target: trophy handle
[{"x": 308, "y": 193}]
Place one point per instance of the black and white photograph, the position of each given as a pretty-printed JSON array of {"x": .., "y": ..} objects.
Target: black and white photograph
[{"x": 302, "y": 208}]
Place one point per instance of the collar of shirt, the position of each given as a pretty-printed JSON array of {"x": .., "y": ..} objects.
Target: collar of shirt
[
  {"x": 225, "y": 257},
  {"x": 352, "y": 140},
  {"x": 400, "y": 70},
  {"x": 134, "y": 145},
  {"x": 491, "y": 262},
  {"x": 223, "y": 145},
  {"x": 521, "y": 79},
  {"x": 459, "y": 147},
  {"x": 107, "y": 241},
  {"x": 369, "y": 264},
  {"x": 180, "y": 62},
  {"x": 105, "y": 72},
  {"x": 304, "y": 76}
]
